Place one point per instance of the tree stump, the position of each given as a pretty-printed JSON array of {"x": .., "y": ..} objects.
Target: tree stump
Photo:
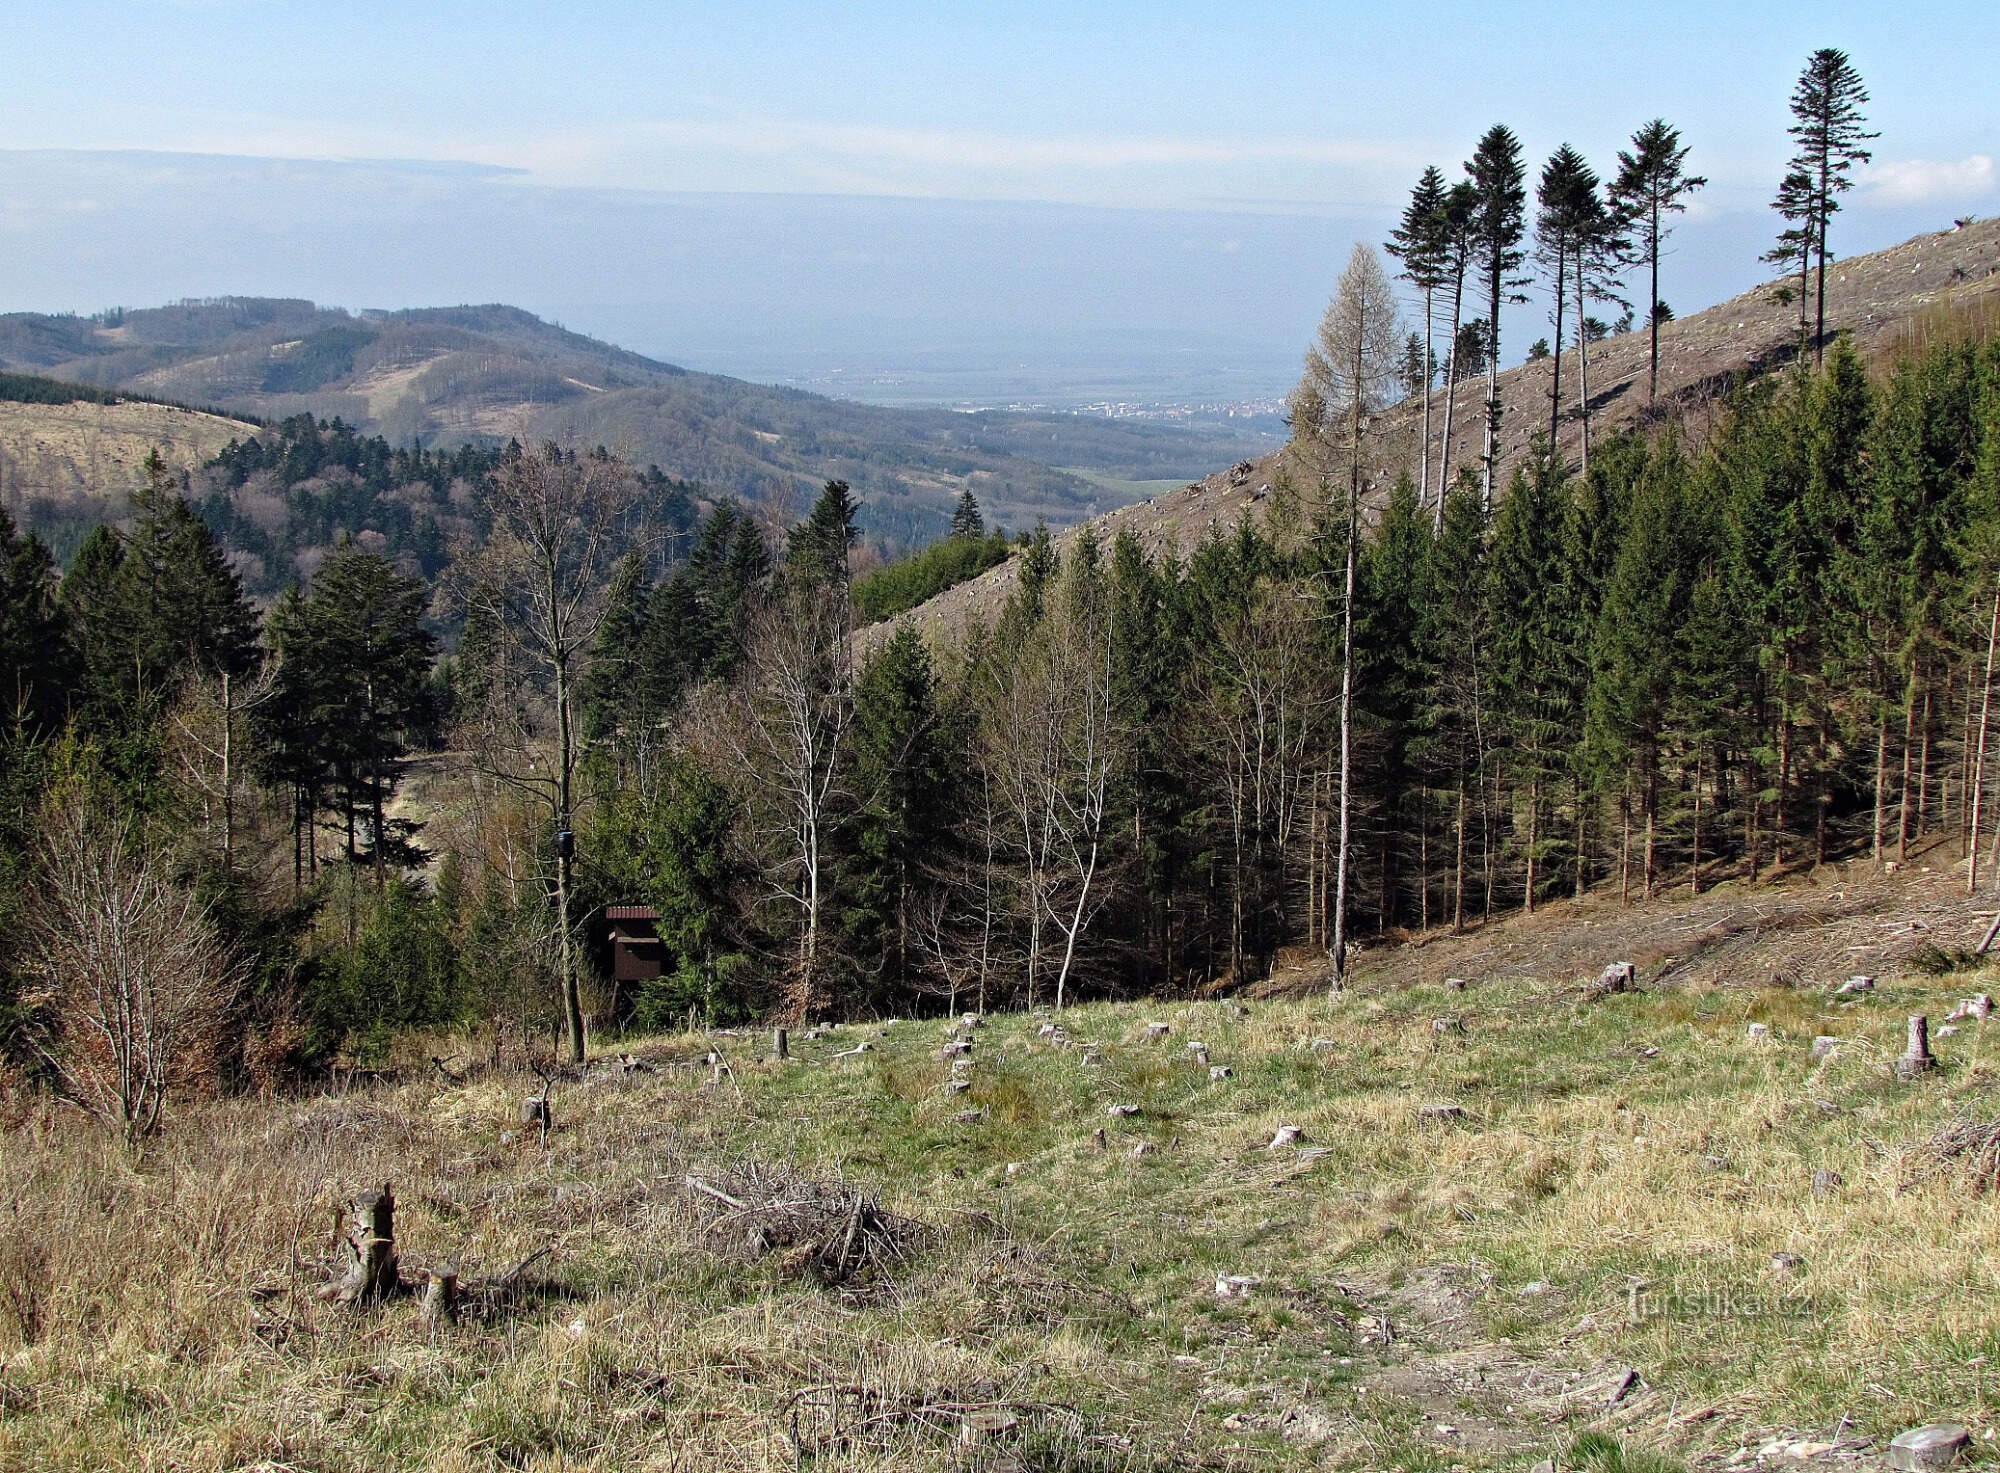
[
  {"x": 441, "y": 1300},
  {"x": 1618, "y": 977},
  {"x": 1218, "y": 1072},
  {"x": 1757, "y": 1032},
  {"x": 1824, "y": 1045},
  {"x": 1917, "y": 1056},
  {"x": 1927, "y": 1449},
  {"x": 1826, "y": 1183},
  {"x": 371, "y": 1237},
  {"x": 781, "y": 1044},
  {"x": 1855, "y": 984},
  {"x": 1454, "y": 984},
  {"x": 1157, "y": 1031}
]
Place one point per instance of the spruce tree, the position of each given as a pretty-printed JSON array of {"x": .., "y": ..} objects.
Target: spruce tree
[
  {"x": 1653, "y": 183},
  {"x": 1565, "y": 208},
  {"x": 901, "y": 777},
  {"x": 966, "y": 520},
  {"x": 35, "y": 664},
  {"x": 1500, "y": 192},
  {"x": 1422, "y": 243},
  {"x": 1827, "y": 126}
]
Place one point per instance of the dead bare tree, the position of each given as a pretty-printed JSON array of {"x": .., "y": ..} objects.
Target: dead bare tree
[
  {"x": 559, "y": 521},
  {"x": 130, "y": 971}
]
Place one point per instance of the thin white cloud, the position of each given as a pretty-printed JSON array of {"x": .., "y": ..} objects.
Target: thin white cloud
[
  {"x": 1932, "y": 181},
  {"x": 787, "y": 156}
]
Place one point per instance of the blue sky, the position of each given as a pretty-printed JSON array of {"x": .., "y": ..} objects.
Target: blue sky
[{"x": 1305, "y": 124}]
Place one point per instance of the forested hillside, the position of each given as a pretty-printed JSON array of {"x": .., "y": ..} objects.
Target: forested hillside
[
  {"x": 441, "y": 377},
  {"x": 1689, "y": 665}
]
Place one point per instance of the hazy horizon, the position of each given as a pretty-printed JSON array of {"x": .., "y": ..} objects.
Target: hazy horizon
[{"x": 988, "y": 202}]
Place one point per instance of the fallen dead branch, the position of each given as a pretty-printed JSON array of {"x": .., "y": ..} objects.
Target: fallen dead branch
[
  {"x": 858, "y": 1418},
  {"x": 1968, "y": 1148}
]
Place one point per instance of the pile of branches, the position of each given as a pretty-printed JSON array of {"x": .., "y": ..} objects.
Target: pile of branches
[
  {"x": 829, "y": 1230},
  {"x": 857, "y": 1418},
  {"x": 1969, "y": 1148}
]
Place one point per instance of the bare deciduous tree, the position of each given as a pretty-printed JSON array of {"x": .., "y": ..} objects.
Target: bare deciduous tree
[
  {"x": 130, "y": 972},
  {"x": 1350, "y": 375},
  {"x": 559, "y": 522},
  {"x": 1050, "y": 743},
  {"x": 798, "y": 699}
]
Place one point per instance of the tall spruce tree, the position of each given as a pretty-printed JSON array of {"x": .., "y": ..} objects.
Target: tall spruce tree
[
  {"x": 1566, "y": 207},
  {"x": 1827, "y": 126},
  {"x": 903, "y": 784},
  {"x": 1500, "y": 192},
  {"x": 1422, "y": 243},
  {"x": 1652, "y": 184}
]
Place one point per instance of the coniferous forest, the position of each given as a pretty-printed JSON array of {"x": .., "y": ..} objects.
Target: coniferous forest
[{"x": 1700, "y": 660}]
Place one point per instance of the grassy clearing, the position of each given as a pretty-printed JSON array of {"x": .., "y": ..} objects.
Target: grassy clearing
[
  {"x": 1407, "y": 1295},
  {"x": 1125, "y": 489}
]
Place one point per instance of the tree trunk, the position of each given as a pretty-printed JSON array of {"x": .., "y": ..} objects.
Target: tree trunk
[
  {"x": 1582, "y": 363},
  {"x": 1653, "y": 304},
  {"x": 1903, "y": 814},
  {"x": 1450, "y": 400},
  {"x": 1556, "y": 383},
  {"x": 572, "y": 996},
  {"x": 1978, "y": 784},
  {"x": 1346, "y": 731}
]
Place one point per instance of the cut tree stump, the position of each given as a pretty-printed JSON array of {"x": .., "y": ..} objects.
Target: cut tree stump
[
  {"x": 371, "y": 1238},
  {"x": 1825, "y": 1183},
  {"x": 1917, "y": 1056},
  {"x": 781, "y": 1044},
  {"x": 1928, "y": 1449},
  {"x": 1617, "y": 977},
  {"x": 1824, "y": 1045},
  {"x": 1156, "y": 1031},
  {"x": 441, "y": 1299}
]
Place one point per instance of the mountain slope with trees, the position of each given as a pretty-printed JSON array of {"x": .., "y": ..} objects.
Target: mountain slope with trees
[
  {"x": 1941, "y": 284},
  {"x": 484, "y": 375}
]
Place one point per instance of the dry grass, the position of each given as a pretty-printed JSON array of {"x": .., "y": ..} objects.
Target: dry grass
[
  {"x": 85, "y": 452},
  {"x": 1625, "y": 1172}
]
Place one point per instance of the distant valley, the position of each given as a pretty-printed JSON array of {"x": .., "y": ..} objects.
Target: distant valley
[{"x": 440, "y": 377}]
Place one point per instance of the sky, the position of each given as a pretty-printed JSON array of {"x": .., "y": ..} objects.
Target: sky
[{"x": 764, "y": 187}]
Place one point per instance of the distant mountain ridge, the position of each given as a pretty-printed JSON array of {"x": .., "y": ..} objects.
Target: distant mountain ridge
[{"x": 484, "y": 374}]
